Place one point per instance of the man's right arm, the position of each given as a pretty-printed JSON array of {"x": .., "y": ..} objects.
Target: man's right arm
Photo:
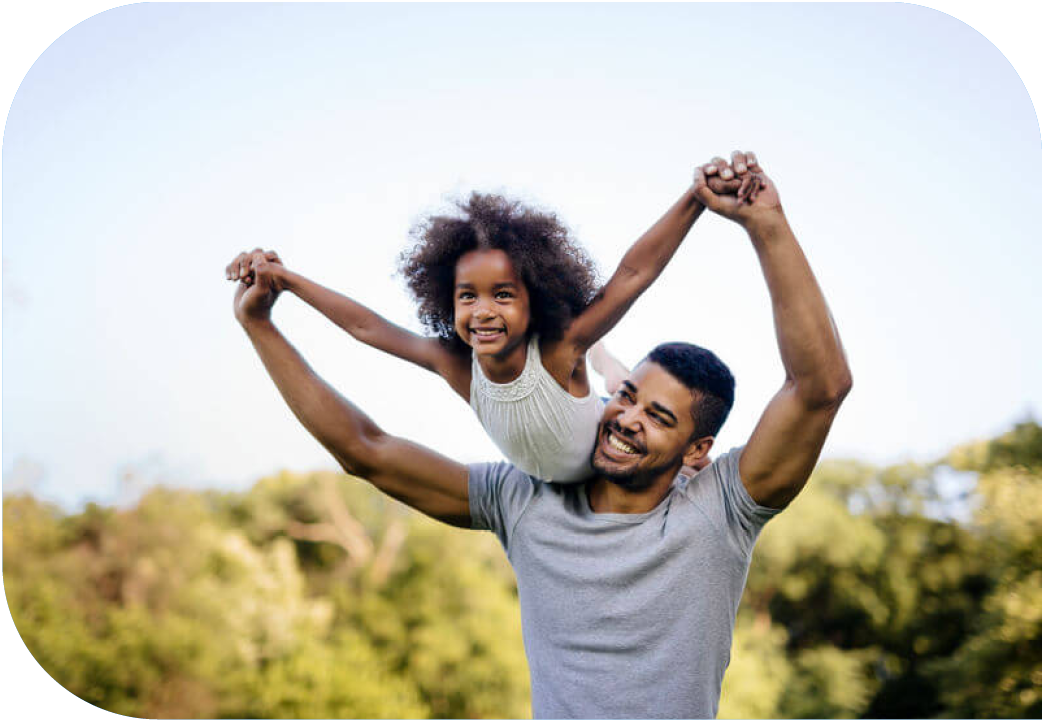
[{"x": 411, "y": 473}]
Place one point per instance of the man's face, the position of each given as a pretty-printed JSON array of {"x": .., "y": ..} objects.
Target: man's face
[{"x": 646, "y": 429}]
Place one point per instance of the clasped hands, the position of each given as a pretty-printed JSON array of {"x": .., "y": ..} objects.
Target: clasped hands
[{"x": 738, "y": 190}]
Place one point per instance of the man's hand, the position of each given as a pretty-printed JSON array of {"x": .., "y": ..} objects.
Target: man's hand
[
  {"x": 242, "y": 267},
  {"x": 260, "y": 275},
  {"x": 725, "y": 180},
  {"x": 756, "y": 200}
]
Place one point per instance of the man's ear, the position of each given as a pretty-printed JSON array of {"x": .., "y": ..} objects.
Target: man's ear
[{"x": 697, "y": 455}]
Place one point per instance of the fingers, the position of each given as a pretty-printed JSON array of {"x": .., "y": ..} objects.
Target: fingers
[
  {"x": 718, "y": 167},
  {"x": 724, "y": 170},
  {"x": 752, "y": 162},
  {"x": 746, "y": 167},
  {"x": 724, "y": 187},
  {"x": 738, "y": 162},
  {"x": 703, "y": 192},
  {"x": 237, "y": 267},
  {"x": 748, "y": 181},
  {"x": 757, "y": 188},
  {"x": 231, "y": 270},
  {"x": 245, "y": 269},
  {"x": 245, "y": 264}
]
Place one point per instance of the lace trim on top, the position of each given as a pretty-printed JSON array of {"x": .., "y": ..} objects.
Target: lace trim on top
[{"x": 518, "y": 388}]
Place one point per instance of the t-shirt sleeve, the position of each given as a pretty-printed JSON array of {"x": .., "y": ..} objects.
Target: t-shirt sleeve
[
  {"x": 499, "y": 494},
  {"x": 726, "y": 499}
]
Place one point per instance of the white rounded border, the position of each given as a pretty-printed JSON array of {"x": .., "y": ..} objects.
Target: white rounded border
[{"x": 27, "y": 29}]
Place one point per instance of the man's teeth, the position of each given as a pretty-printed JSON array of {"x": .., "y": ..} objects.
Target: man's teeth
[{"x": 620, "y": 445}]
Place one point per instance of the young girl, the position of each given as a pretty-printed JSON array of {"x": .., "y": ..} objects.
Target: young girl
[{"x": 513, "y": 305}]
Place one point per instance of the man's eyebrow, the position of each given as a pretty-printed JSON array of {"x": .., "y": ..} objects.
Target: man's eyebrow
[
  {"x": 663, "y": 410},
  {"x": 629, "y": 386}
]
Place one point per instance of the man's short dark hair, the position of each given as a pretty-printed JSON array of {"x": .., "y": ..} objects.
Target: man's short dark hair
[{"x": 706, "y": 376}]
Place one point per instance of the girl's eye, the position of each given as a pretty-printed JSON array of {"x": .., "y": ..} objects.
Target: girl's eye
[
  {"x": 466, "y": 295},
  {"x": 504, "y": 295}
]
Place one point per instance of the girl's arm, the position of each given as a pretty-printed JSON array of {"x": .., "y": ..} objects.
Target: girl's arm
[
  {"x": 376, "y": 331},
  {"x": 640, "y": 266},
  {"x": 608, "y": 367}
]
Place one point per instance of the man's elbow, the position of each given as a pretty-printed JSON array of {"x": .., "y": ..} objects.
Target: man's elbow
[
  {"x": 828, "y": 391},
  {"x": 840, "y": 387},
  {"x": 357, "y": 453}
]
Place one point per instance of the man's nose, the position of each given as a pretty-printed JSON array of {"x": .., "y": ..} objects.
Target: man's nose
[{"x": 629, "y": 419}]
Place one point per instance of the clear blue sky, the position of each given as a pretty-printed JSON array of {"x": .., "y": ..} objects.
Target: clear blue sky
[{"x": 150, "y": 143}]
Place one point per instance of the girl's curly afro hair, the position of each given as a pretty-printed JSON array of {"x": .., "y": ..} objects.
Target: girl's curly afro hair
[{"x": 558, "y": 274}]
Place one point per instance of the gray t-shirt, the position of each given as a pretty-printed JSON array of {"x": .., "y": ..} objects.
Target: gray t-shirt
[{"x": 624, "y": 615}]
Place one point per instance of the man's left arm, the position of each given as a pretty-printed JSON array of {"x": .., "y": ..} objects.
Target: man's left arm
[{"x": 784, "y": 447}]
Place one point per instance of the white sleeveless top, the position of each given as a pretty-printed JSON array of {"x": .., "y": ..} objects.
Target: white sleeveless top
[{"x": 538, "y": 425}]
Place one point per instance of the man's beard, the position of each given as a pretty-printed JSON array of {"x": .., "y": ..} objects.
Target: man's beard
[{"x": 631, "y": 481}]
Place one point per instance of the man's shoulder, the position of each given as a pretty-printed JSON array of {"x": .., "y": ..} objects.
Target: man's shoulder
[
  {"x": 500, "y": 493},
  {"x": 720, "y": 470},
  {"x": 718, "y": 491},
  {"x": 499, "y": 472}
]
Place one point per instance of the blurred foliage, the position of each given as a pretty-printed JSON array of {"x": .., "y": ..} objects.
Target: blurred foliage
[
  {"x": 308, "y": 596},
  {"x": 876, "y": 594}
]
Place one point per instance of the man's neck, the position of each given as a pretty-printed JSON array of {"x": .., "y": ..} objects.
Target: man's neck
[{"x": 607, "y": 497}]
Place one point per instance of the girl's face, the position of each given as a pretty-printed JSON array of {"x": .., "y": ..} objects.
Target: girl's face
[{"x": 491, "y": 303}]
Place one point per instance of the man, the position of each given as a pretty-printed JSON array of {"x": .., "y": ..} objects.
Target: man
[{"x": 628, "y": 583}]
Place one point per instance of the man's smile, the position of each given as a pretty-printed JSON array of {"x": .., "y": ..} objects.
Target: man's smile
[{"x": 619, "y": 445}]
